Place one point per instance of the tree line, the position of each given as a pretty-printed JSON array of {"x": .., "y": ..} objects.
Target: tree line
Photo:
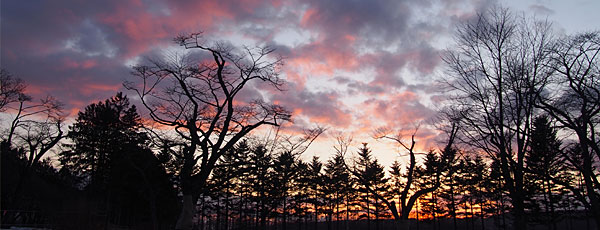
[{"x": 521, "y": 146}]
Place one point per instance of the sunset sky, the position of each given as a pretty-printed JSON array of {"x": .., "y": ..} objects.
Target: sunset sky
[{"x": 351, "y": 65}]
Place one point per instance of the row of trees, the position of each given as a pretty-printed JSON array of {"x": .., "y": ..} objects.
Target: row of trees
[
  {"x": 448, "y": 184},
  {"x": 265, "y": 184},
  {"x": 506, "y": 71}
]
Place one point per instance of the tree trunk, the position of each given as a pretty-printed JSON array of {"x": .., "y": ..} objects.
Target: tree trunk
[
  {"x": 187, "y": 213},
  {"x": 519, "y": 213},
  {"x": 591, "y": 193},
  {"x": 550, "y": 205},
  {"x": 240, "y": 211},
  {"x": 337, "y": 212},
  {"x": 502, "y": 210},
  {"x": 347, "y": 212},
  {"x": 284, "y": 217},
  {"x": 472, "y": 212},
  {"x": 256, "y": 216},
  {"x": 219, "y": 217},
  {"x": 453, "y": 205},
  {"x": 482, "y": 214},
  {"x": 226, "y": 209},
  {"x": 263, "y": 218},
  {"x": 316, "y": 215},
  {"x": 368, "y": 211},
  {"x": 376, "y": 214}
]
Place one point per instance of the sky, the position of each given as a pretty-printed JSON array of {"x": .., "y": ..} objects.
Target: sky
[{"x": 350, "y": 65}]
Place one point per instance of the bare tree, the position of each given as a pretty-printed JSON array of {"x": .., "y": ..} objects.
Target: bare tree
[
  {"x": 37, "y": 126},
  {"x": 405, "y": 207},
  {"x": 199, "y": 100},
  {"x": 498, "y": 68},
  {"x": 39, "y": 137},
  {"x": 573, "y": 100},
  {"x": 40, "y": 124},
  {"x": 407, "y": 200},
  {"x": 11, "y": 89},
  {"x": 36, "y": 134}
]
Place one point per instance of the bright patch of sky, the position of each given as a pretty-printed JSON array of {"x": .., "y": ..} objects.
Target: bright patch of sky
[
  {"x": 571, "y": 16},
  {"x": 292, "y": 37}
]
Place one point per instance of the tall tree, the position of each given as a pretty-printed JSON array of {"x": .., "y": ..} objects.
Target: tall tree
[
  {"x": 35, "y": 128},
  {"x": 349, "y": 188},
  {"x": 339, "y": 181},
  {"x": 261, "y": 161},
  {"x": 472, "y": 173},
  {"x": 366, "y": 174},
  {"x": 546, "y": 166},
  {"x": 372, "y": 183},
  {"x": 199, "y": 99},
  {"x": 302, "y": 196},
  {"x": 315, "y": 176},
  {"x": 451, "y": 188},
  {"x": 574, "y": 102},
  {"x": 109, "y": 148},
  {"x": 95, "y": 128},
  {"x": 284, "y": 176},
  {"x": 427, "y": 177},
  {"x": 498, "y": 68}
]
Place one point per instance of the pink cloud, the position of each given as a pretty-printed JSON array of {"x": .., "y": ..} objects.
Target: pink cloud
[
  {"x": 319, "y": 108},
  {"x": 84, "y": 64},
  {"x": 323, "y": 58},
  {"x": 398, "y": 110},
  {"x": 307, "y": 17}
]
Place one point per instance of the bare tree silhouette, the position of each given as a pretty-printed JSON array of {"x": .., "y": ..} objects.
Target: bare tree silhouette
[{"x": 197, "y": 98}]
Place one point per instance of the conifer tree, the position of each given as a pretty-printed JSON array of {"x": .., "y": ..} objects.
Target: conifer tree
[
  {"x": 428, "y": 177},
  {"x": 284, "y": 176},
  {"x": 546, "y": 167},
  {"x": 111, "y": 151},
  {"x": 316, "y": 183},
  {"x": 337, "y": 177},
  {"x": 372, "y": 183}
]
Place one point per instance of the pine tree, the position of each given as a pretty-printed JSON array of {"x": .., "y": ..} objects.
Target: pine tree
[
  {"x": 496, "y": 193},
  {"x": 372, "y": 180},
  {"x": 449, "y": 193},
  {"x": 260, "y": 181},
  {"x": 473, "y": 172},
  {"x": 427, "y": 177},
  {"x": 284, "y": 176},
  {"x": 339, "y": 178},
  {"x": 546, "y": 165},
  {"x": 316, "y": 183},
  {"x": 301, "y": 197},
  {"x": 95, "y": 133},
  {"x": 111, "y": 151}
]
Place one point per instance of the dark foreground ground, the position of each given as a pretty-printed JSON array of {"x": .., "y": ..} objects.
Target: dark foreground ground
[
  {"x": 574, "y": 222},
  {"x": 442, "y": 224}
]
